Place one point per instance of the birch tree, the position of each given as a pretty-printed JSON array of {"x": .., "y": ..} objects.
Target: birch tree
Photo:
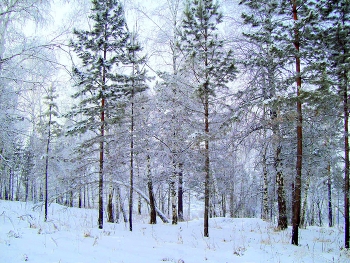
[{"x": 102, "y": 51}]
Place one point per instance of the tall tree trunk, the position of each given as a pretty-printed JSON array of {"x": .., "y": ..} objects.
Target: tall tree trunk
[
  {"x": 207, "y": 162},
  {"x": 297, "y": 187},
  {"x": 102, "y": 133},
  {"x": 132, "y": 126},
  {"x": 131, "y": 166},
  {"x": 176, "y": 173},
  {"x": 100, "y": 181},
  {"x": 47, "y": 163},
  {"x": 346, "y": 158},
  {"x": 153, "y": 213}
]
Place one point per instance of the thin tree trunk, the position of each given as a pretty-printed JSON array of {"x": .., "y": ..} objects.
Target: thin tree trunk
[
  {"x": 180, "y": 207},
  {"x": 70, "y": 198},
  {"x": 26, "y": 188},
  {"x": 131, "y": 150},
  {"x": 265, "y": 212},
  {"x": 117, "y": 207},
  {"x": 121, "y": 205},
  {"x": 18, "y": 188},
  {"x": 223, "y": 205},
  {"x": 232, "y": 205},
  {"x": 102, "y": 133},
  {"x": 319, "y": 204},
  {"x": 88, "y": 196},
  {"x": 207, "y": 164},
  {"x": 139, "y": 205},
  {"x": 169, "y": 199},
  {"x": 312, "y": 219},
  {"x": 346, "y": 158},
  {"x": 131, "y": 168},
  {"x": 173, "y": 191},
  {"x": 80, "y": 199},
  {"x": 139, "y": 201},
  {"x": 329, "y": 188},
  {"x": 100, "y": 181}
]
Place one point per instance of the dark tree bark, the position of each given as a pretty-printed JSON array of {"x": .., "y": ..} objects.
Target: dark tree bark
[
  {"x": 80, "y": 201},
  {"x": 131, "y": 161},
  {"x": 223, "y": 205},
  {"x": 139, "y": 206},
  {"x": 173, "y": 191},
  {"x": 180, "y": 206},
  {"x": 110, "y": 212},
  {"x": 102, "y": 133},
  {"x": 346, "y": 158},
  {"x": 207, "y": 161},
  {"x": 153, "y": 212},
  {"x": 297, "y": 185},
  {"x": 231, "y": 196},
  {"x": 329, "y": 189}
]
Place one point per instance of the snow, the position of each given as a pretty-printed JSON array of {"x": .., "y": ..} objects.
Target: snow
[{"x": 71, "y": 236}]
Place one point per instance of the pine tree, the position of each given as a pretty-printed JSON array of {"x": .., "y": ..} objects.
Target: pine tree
[
  {"x": 211, "y": 67},
  {"x": 102, "y": 51},
  {"x": 52, "y": 129}
]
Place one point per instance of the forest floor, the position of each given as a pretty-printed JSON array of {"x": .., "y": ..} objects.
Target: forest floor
[{"x": 71, "y": 236}]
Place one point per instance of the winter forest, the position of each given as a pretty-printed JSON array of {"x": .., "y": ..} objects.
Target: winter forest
[{"x": 149, "y": 108}]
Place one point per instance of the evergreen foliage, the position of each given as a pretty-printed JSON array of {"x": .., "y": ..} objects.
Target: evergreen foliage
[
  {"x": 211, "y": 67},
  {"x": 103, "y": 52}
]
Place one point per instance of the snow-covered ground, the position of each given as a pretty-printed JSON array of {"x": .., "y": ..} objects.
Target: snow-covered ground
[{"x": 71, "y": 236}]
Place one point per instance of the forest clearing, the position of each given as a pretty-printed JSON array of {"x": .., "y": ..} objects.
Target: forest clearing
[{"x": 71, "y": 236}]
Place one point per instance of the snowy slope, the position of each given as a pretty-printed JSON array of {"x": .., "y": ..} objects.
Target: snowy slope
[{"x": 71, "y": 236}]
